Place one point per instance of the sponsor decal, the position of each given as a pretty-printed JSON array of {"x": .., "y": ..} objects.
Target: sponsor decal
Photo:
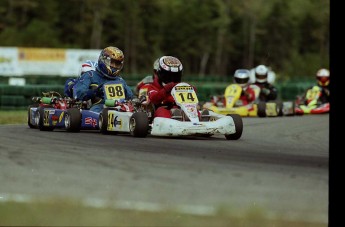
[
  {"x": 179, "y": 88},
  {"x": 41, "y": 54},
  {"x": 91, "y": 121},
  {"x": 117, "y": 122},
  {"x": 61, "y": 116}
]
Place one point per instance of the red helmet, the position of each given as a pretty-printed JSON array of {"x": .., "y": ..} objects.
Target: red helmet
[{"x": 322, "y": 77}]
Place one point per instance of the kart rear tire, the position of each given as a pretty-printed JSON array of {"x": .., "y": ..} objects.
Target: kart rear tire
[
  {"x": 279, "y": 108},
  {"x": 293, "y": 109},
  {"x": 238, "y": 127},
  {"x": 139, "y": 124},
  {"x": 262, "y": 109},
  {"x": 29, "y": 116},
  {"x": 73, "y": 120}
]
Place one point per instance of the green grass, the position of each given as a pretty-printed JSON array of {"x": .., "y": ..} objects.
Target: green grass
[
  {"x": 13, "y": 117},
  {"x": 67, "y": 213}
]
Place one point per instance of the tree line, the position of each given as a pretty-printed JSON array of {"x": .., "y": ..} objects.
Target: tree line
[{"x": 211, "y": 37}]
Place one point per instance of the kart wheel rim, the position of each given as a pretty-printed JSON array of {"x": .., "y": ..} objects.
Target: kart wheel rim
[
  {"x": 67, "y": 121},
  {"x": 132, "y": 125},
  {"x": 37, "y": 118},
  {"x": 100, "y": 121}
]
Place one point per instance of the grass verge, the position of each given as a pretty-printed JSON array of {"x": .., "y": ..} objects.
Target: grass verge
[
  {"x": 13, "y": 116},
  {"x": 68, "y": 213}
]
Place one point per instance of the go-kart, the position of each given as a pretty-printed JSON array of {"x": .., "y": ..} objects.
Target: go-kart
[
  {"x": 233, "y": 104},
  {"x": 188, "y": 121},
  {"x": 48, "y": 111},
  {"x": 118, "y": 114},
  {"x": 310, "y": 103}
]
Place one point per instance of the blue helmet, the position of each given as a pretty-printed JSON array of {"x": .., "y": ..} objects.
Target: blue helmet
[{"x": 110, "y": 62}]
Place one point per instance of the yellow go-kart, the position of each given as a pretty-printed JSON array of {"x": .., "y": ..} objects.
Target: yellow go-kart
[{"x": 233, "y": 104}]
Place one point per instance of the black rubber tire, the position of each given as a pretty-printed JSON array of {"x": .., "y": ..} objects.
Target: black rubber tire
[
  {"x": 279, "y": 108},
  {"x": 103, "y": 122},
  {"x": 238, "y": 126},
  {"x": 293, "y": 110},
  {"x": 29, "y": 116},
  {"x": 73, "y": 120},
  {"x": 139, "y": 124},
  {"x": 40, "y": 112},
  {"x": 262, "y": 109}
]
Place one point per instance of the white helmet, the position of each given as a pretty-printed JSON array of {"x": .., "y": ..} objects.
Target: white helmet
[
  {"x": 241, "y": 77},
  {"x": 322, "y": 77},
  {"x": 261, "y": 72}
]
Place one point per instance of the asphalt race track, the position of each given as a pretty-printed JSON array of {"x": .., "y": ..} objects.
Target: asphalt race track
[{"x": 279, "y": 165}]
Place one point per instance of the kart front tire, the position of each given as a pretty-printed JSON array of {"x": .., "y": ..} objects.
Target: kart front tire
[
  {"x": 139, "y": 124},
  {"x": 238, "y": 127},
  {"x": 73, "y": 120},
  {"x": 279, "y": 108},
  {"x": 103, "y": 122}
]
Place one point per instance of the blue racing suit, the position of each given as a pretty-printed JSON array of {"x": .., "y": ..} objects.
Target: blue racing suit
[{"x": 82, "y": 89}]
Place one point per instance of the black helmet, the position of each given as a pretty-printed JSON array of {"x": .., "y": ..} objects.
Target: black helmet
[{"x": 169, "y": 70}]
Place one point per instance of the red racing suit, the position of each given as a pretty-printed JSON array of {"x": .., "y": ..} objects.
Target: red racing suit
[
  {"x": 159, "y": 96},
  {"x": 247, "y": 96}
]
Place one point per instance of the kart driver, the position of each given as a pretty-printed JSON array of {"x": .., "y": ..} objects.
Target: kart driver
[
  {"x": 110, "y": 64},
  {"x": 241, "y": 77},
  {"x": 267, "y": 91},
  {"x": 323, "y": 79},
  {"x": 167, "y": 73}
]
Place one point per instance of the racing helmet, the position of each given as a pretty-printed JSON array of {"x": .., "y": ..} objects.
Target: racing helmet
[
  {"x": 110, "y": 62},
  {"x": 322, "y": 77},
  {"x": 261, "y": 73},
  {"x": 169, "y": 70},
  {"x": 241, "y": 77}
]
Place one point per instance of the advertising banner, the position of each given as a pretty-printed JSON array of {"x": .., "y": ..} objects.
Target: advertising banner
[
  {"x": 9, "y": 62},
  {"x": 24, "y": 61}
]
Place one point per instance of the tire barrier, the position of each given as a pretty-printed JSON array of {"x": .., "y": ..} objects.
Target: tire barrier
[{"x": 19, "y": 97}]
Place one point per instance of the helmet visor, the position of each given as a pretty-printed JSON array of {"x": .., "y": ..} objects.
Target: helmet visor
[
  {"x": 167, "y": 76},
  {"x": 324, "y": 81},
  {"x": 261, "y": 77},
  {"x": 116, "y": 64},
  {"x": 241, "y": 80}
]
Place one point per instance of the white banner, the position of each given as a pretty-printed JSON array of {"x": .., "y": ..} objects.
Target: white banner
[
  {"x": 74, "y": 60},
  {"x": 43, "y": 61},
  {"x": 9, "y": 62}
]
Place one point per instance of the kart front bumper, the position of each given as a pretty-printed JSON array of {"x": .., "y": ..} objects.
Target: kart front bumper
[{"x": 170, "y": 127}]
